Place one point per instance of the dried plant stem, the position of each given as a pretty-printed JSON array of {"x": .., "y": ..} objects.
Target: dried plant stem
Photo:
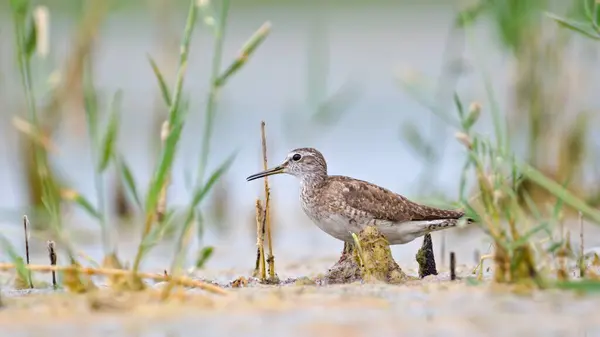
[
  {"x": 452, "y": 266},
  {"x": 52, "y": 256},
  {"x": 581, "y": 247},
  {"x": 26, "y": 232},
  {"x": 267, "y": 213},
  {"x": 260, "y": 271},
  {"x": 183, "y": 281}
]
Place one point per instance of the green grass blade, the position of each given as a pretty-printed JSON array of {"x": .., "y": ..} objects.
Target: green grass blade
[
  {"x": 164, "y": 89},
  {"x": 212, "y": 95},
  {"x": 577, "y": 26},
  {"x": 585, "y": 285},
  {"x": 15, "y": 258},
  {"x": 82, "y": 201},
  {"x": 108, "y": 142},
  {"x": 19, "y": 7},
  {"x": 249, "y": 47},
  {"x": 175, "y": 120},
  {"x": 459, "y": 106},
  {"x": 214, "y": 177},
  {"x": 129, "y": 180},
  {"x": 31, "y": 40},
  {"x": 203, "y": 256},
  {"x": 560, "y": 192},
  {"x": 90, "y": 102},
  {"x": 166, "y": 160},
  {"x": 156, "y": 234}
]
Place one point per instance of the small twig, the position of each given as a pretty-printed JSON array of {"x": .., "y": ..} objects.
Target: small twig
[
  {"x": 52, "y": 255},
  {"x": 26, "y": 230},
  {"x": 267, "y": 213},
  {"x": 182, "y": 281},
  {"x": 481, "y": 258},
  {"x": 260, "y": 242},
  {"x": 452, "y": 266},
  {"x": 581, "y": 247}
]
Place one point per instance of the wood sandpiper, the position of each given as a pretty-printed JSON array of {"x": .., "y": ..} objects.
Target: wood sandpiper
[{"x": 341, "y": 205}]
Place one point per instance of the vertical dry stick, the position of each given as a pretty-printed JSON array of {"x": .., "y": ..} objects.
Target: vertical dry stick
[
  {"x": 26, "y": 229},
  {"x": 161, "y": 207},
  {"x": 260, "y": 242},
  {"x": 581, "y": 246},
  {"x": 52, "y": 255},
  {"x": 452, "y": 266},
  {"x": 267, "y": 213}
]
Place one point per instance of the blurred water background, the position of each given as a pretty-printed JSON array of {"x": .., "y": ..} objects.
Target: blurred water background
[{"x": 328, "y": 76}]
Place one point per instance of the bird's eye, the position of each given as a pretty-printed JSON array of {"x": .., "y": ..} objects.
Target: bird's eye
[{"x": 296, "y": 157}]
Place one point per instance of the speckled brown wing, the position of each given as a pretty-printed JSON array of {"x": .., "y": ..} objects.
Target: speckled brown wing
[{"x": 384, "y": 204}]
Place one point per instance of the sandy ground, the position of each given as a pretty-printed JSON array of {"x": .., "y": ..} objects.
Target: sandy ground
[{"x": 434, "y": 306}]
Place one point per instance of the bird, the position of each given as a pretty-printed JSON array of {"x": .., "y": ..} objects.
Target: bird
[{"x": 341, "y": 205}]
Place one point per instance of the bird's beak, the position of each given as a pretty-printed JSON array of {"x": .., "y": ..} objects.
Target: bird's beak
[{"x": 271, "y": 171}]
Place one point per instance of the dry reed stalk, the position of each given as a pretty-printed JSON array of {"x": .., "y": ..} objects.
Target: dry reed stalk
[
  {"x": 26, "y": 232},
  {"x": 183, "y": 281},
  {"x": 259, "y": 270},
  {"x": 581, "y": 248},
  {"x": 52, "y": 256},
  {"x": 267, "y": 213},
  {"x": 452, "y": 266}
]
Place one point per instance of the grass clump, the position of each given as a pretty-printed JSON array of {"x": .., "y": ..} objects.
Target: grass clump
[
  {"x": 522, "y": 227},
  {"x": 159, "y": 217}
]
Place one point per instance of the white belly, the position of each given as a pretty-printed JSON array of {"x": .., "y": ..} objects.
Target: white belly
[
  {"x": 342, "y": 228},
  {"x": 337, "y": 226}
]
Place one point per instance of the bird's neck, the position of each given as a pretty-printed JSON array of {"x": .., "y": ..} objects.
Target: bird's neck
[{"x": 312, "y": 180}]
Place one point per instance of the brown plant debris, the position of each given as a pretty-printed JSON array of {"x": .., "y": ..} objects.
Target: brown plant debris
[
  {"x": 75, "y": 281},
  {"x": 239, "y": 282},
  {"x": 182, "y": 281},
  {"x": 267, "y": 211},
  {"x": 119, "y": 282},
  {"x": 259, "y": 269}
]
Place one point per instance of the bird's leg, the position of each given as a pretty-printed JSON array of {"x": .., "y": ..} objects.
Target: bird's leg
[{"x": 347, "y": 251}]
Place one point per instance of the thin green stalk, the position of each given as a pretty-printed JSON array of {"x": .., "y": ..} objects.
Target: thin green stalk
[
  {"x": 214, "y": 88},
  {"x": 180, "y": 253},
  {"x": 91, "y": 113},
  {"x": 176, "y": 122},
  {"x": 24, "y": 50}
]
